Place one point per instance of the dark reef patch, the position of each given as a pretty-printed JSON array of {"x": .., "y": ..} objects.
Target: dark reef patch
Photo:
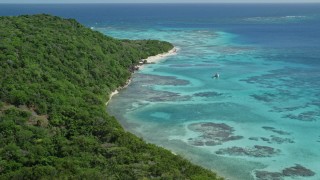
[
  {"x": 149, "y": 94},
  {"x": 285, "y": 84},
  {"x": 181, "y": 65},
  {"x": 273, "y": 139},
  {"x": 207, "y": 65},
  {"x": 287, "y": 109},
  {"x": 256, "y": 151},
  {"x": 266, "y": 97},
  {"x": 208, "y": 94},
  {"x": 233, "y": 50},
  {"x": 147, "y": 79},
  {"x": 316, "y": 102},
  {"x": 305, "y": 116},
  {"x": 265, "y": 175},
  {"x": 295, "y": 171},
  {"x": 254, "y": 138},
  {"x": 163, "y": 96},
  {"x": 298, "y": 170},
  {"x": 212, "y": 134},
  {"x": 193, "y": 65},
  {"x": 272, "y": 129},
  {"x": 280, "y": 140}
]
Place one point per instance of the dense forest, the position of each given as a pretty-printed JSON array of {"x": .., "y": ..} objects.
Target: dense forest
[{"x": 55, "y": 77}]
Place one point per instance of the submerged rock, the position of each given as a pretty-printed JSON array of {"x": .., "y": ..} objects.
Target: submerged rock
[
  {"x": 272, "y": 129},
  {"x": 212, "y": 134},
  {"x": 277, "y": 140},
  {"x": 208, "y": 94},
  {"x": 265, "y": 139},
  {"x": 266, "y": 97},
  {"x": 280, "y": 140},
  {"x": 298, "y": 170},
  {"x": 254, "y": 138},
  {"x": 256, "y": 151},
  {"x": 305, "y": 116},
  {"x": 265, "y": 175},
  {"x": 197, "y": 143},
  {"x": 148, "y": 79},
  {"x": 294, "y": 171}
]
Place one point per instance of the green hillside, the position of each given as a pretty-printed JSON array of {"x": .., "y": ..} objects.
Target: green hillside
[{"x": 55, "y": 77}]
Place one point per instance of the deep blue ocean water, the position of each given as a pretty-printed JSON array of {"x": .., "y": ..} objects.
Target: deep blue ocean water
[{"x": 259, "y": 120}]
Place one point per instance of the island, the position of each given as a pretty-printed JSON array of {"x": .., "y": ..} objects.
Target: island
[{"x": 55, "y": 77}]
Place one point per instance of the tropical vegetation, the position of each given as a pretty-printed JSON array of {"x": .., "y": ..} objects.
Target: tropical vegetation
[{"x": 55, "y": 77}]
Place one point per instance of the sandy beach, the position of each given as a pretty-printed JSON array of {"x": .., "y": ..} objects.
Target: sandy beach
[
  {"x": 149, "y": 60},
  {"x": 159, "y": 57}
]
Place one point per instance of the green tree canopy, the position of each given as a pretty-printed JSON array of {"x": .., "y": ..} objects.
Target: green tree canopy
[{"x": 55, "y": 76}]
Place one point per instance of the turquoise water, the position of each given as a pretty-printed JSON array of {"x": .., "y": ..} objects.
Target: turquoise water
[
  {"x": 176, "y": 104},
  {"x": 259, "y": 120}
]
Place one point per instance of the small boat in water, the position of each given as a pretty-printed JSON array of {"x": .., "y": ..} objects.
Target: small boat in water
[{"x": 216, "y": 76}]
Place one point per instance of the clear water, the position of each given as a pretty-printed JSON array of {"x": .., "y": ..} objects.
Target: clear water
[{"x": 259, "y": 120}]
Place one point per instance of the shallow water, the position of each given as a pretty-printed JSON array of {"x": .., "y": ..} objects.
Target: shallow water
[
  {"x": 259, "y": 120},
  {"x": 263, "y": 102}
]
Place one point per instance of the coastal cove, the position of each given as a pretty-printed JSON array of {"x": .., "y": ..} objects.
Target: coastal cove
[
  {"x": 259, "y": 120},
  {"x": 233, "y": 125},
  {"x": 143, "y": 62},
  {"x": 170, "y": 119}
]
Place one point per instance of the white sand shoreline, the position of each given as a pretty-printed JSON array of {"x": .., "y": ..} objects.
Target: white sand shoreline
[
  {"x": 150, "y": 60},
  {"x": 157, "y": 58}
]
